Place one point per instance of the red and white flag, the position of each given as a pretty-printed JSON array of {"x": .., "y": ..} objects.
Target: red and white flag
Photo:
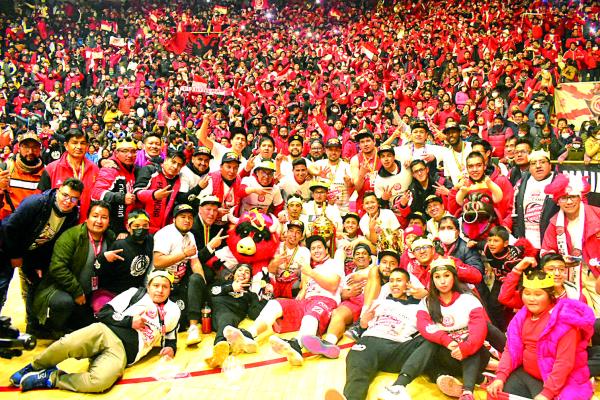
[
  {"x": 369, "y": 50},
  {"x": 108, "y": 26}
]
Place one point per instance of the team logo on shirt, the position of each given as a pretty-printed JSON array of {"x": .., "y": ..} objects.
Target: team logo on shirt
[
  {"x": 261, "y": 197},
  {"x": 180, "y": 304},
  {"x": 139, "y": 265},
  {"x": 448, "y": 321},
  {"x": 359, "y": 347},
  {"x": 398, "y": 186}
]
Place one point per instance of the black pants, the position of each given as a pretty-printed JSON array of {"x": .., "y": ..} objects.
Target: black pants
[
  {"x": 65, "y": 315},
  {"x": 496, "y": 310},
  {"x": 372, "y": 354},
  {"x": 523, "y": 384},
  {"x": 222, "y": 316},
  {"x": 470, "y": 368},
  {"x": 190, "y": 295}
]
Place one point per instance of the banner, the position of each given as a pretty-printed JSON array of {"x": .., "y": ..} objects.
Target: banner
[
  {"x": 260, "y": 4},
  {"x": 577, "y": 102},
  {"x": 200, "y": 87},
  {"x": 179, "y": 42},
  {"x": 117, "y": 41}
]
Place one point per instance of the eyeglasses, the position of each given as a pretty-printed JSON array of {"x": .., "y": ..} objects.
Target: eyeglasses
[
  {"x": 421, "y": 248},
  {"x": 521, "y": 152},
  {"x": 566, "y": 199},
  {"x": 65, "y": 196},
  {"x": 418, "y": 171}
]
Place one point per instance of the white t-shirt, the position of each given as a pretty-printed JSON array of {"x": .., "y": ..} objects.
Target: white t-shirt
[
  {"x": 455, "y": 163},
  {"x": 393, "y": 321},
  {"x": 218, "y": 150},
  {"x": 386, "y": 220},
  {"x": 393, "y": 181},
  {"x": 455, "y": 316},
  {"x": 189, "y": 179},
  {"x": 169, "y": 241},
  {"x": 310, "y": 211},
  {"x": 289, "y": 185},
  {"x": 254, "y": 200},
  {"x": 533, "y": 205},
  {"x": 336, "y": 181},
  {"x": 330, "y": 266}
]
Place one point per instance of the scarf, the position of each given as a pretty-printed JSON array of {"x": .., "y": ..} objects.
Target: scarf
[
  {"x": 575, "y": 274},
  {"x": 29, "y": 168}
]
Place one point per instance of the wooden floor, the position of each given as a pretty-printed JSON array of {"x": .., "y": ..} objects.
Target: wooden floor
[{"x": 266, "y": 376}]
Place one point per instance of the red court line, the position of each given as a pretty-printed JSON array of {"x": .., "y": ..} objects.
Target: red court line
[{"x": 192, "y": 374}]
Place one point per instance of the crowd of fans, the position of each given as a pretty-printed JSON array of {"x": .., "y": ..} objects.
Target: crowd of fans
[{"x": 422, "y": 136}]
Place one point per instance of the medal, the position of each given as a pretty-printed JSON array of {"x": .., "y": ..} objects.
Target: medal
[{"x": 286, "y": 274}]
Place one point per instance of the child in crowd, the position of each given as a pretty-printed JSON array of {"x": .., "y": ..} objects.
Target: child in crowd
[{"x": 546, "y": 354}]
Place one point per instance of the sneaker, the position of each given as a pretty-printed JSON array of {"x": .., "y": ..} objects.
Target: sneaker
[
  {"x": 44, "y": 379},
  {"x": 396, "y": 392},
  {"x": 288, "y": 348},
  {"x": 240, "y": 340},
  {"x": 449, "y": 385},
  {"x": 15, "y": 379},
  {"x": 466, "y": 395},
  {"x": 316, "y": 345},
  {"x": 354, "y": 332},
  {"x": 220, "y": 353},
  {"x": 334, "y": 394},
  {"x": 193, "y": 335}
]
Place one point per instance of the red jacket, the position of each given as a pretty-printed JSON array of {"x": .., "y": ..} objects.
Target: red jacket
[
  {"x": 58, "y": 171},
  {"x": 150, "y": 179}
]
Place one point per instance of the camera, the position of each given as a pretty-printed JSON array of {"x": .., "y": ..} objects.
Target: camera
[{"x": 12, "y": 342}]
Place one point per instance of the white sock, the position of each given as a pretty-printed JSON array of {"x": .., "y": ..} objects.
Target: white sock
[
  {"x": 308, "y": 326},
  {"x": 267, "y": 317},
  {"x": 331, "y": 338}
]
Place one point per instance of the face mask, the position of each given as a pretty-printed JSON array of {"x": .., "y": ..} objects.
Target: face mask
[
  {"x": 447, "y": 236},
  {"x": 565, "y": 135},
  {"x": 139, "y": 234},
  {"x": 576, "y": 146}
]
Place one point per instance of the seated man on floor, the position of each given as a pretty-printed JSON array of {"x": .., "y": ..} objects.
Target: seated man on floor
[
  {"x": 131, "y": 325},
  {"x": 391, "y": 343},
  {"x": 309, "y": 312}
]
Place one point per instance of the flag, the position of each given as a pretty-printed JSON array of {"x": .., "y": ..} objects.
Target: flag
[
  {"x": 260, "y": 4},
  {"x": 178, "y": 43},
  {"x": 106, "y": 26},
  {"x": 220, "y": 9},
  {"x": 200, "y": 44},
  {"x": 116, "y": 41},
  {"x": 369, "y": 50},
  {"x": 577, "y": 102},
  {"x": 335, "y": 13}
]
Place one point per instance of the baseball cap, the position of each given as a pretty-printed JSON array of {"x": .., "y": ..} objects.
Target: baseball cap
[
  {"x": 296, "y": 137},
  {"x": 203, "y": 150},
  {"x": 388, "y": 252},
  {"x": 29, "y": 135},
  {"x": 210, "y": 199},
  {"x": 161, "y": 272},
  {"x": 231, "y": 156},
  {"x": 181, "y": 208},
  {"x": 363, "y": 133},
  {"x": 333, "y": 142}
]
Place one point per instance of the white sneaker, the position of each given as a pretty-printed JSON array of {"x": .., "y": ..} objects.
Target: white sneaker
[
  {"x": 396, "y": 392},
  {"x": 193, "y": 335},
  {"x": 238, "y": 341},
  {"x": 289, "y": 348}
]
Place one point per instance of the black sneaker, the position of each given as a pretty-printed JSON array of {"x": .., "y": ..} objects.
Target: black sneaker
[
  {"x": 354, "y": 332},
  {"x": 15, "y": 379},
  {"x": 289, "y": 348},
  {"x": 44, "y": 379}
]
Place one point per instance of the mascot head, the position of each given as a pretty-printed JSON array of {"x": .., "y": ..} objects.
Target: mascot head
[
  {"x": 478, "y": 214},
  {"x": 254, "y": 238}
]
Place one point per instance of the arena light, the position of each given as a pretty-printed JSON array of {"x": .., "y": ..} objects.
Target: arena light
[{"x": 269, "y": 16}]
